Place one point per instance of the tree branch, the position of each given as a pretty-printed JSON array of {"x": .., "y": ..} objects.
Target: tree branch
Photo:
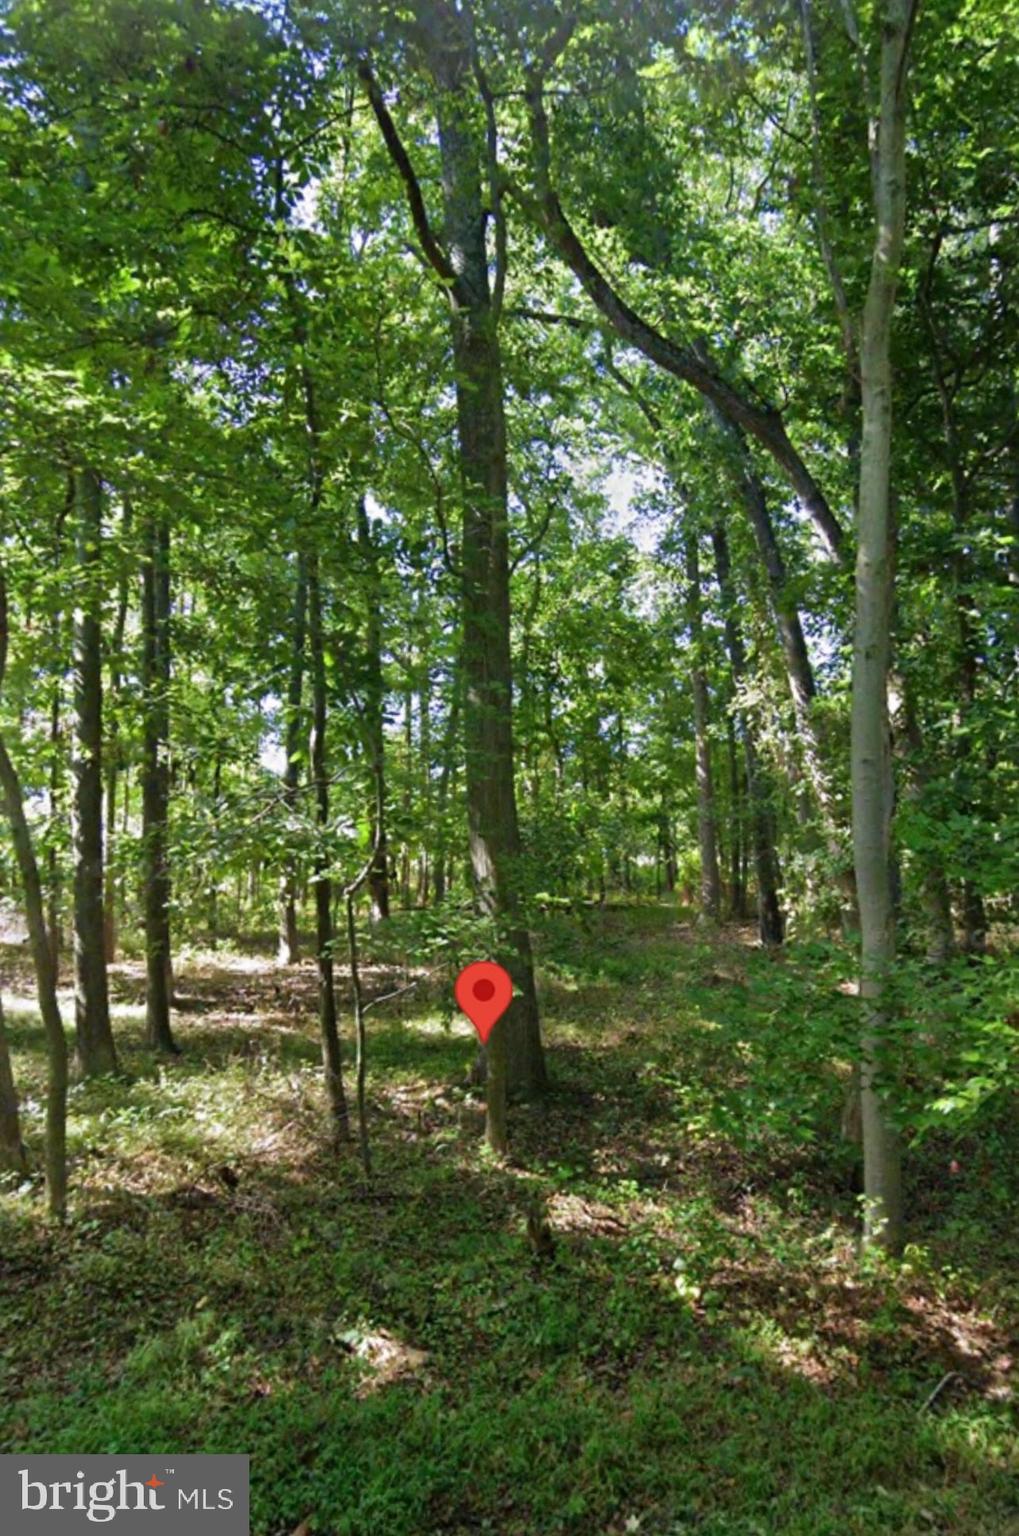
[
  {"x": 397, "y": 153},
  {"x": 689, "y": 363},
  {"x": 492, "y": 154}
]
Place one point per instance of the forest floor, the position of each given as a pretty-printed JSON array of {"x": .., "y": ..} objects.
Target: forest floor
[{"x": 701, "y": 1352}]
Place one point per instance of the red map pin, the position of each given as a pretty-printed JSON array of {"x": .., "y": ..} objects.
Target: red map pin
[{"x": 484, "y": 991}]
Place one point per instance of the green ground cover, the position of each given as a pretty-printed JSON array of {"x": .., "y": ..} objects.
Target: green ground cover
[{"x": 700, "y": 1351}]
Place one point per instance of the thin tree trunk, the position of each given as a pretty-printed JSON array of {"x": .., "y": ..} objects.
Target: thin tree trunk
[
  {"x": 871, "y": 756},
  {"x": 408, "y": 780},
  {"x": 770, "y": 920},
  {"x": 42, "y": 958},
  {"x": 113, "y": 755},
  {"x": 110, "y": 931},
  {"x": 442, "y": 796},
  {"x": 935, "y": 898},
  {"x": 799, "y": 672},
  {"x": 156, "y": 781},
  {"x": 53, "y": 872},
  {"x": 323, "y": 887},
  {"x": 378, "y": 876},
  {"x": 46, "y": 987},
  {"x": 425, "y": 770},
  {"x": 55, "y": 785},
  {"x": 668, "y": 842},
  {"x": 212, "y": 914},
  {"x": 288, "y": 948},
  {"x": 707, "y": 837},
  {"x": 12, "y": 1148},
  {"x": 974, "y": 917},
  {"x": 96, "y": 1050},
  {"x": 360, "y": 1034}
]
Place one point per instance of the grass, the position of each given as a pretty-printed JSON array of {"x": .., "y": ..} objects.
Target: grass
[{"x": 703, "y": 1351}]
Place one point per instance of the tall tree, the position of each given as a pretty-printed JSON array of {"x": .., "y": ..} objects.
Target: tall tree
[
  {"x": 871, "y": 754},
  {"x": 288, "y": 946},
  {"x": 156, "y": 665},
  {"x": 96, "y": 1050},
  {"x": 12, "y": 1148},
  {"x": 42, "y": 955},
  {"x": 467, "y": 149},
  {"x": 374, "y": 718},
  {"x": 707, "y": 834},
  {"x": 322, "y": 883},
  {"x": 770, "y": 920}
]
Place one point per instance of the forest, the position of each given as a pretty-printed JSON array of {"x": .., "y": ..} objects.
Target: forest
[{"x": 530, "y": 481}]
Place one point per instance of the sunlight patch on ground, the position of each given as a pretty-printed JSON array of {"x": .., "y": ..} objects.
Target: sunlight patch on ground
[{"x": 385, "y": 1359}]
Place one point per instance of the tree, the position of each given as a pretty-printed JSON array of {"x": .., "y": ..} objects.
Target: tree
[
  {"x": 515, "y": 1056},
  {"x": 12, "y": 1148},
  {"x": 42, "y": 955},
  {"x": 97, "y": 1053},
  {"x": 711, "y": 885},
  {"x": 871, "y": 756},
  {"x": 156, "y": 781}
]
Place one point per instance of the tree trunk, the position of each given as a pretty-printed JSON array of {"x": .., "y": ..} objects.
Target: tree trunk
[
  {"x": 54, "y": 919},
  {"x": 156, "y": 781},
  {"x": 425, "y": 771},
  {"x": 12, "y": 1148},
  {"x": 113, "y": 755},
  {"x": 488, "y": 689},
  {"x": 323, "y": 886},
  {"x": 442, "y": 796},
  {"x": 288, "y": 948},
  {"x": 737, "y": 820},
  {"x": 707, "y": 837},
  {"x": 378, "y": 875},
  {"x": 974, "y": 918},
  {"x": 463, "y": 266},
  {"x": 212, "y": 899},
  {"x": 668, "y": 843},
  {"x": 770, "y": 920},
  {"x": 871, "y": 755},
  {"x": 96, "y": 1050},
  {"x": 799, "y": 672},
  {"x": 935, "y": 898},
  {"x": 42, "y": 959}
]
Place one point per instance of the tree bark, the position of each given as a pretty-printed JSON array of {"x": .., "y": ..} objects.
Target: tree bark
[
  {"x": 378, "y": 875},
  {"x": 12, "y": 1148},
  {"x": 156, "y": 781},
  {"x": 323, "y": 887},
  {"x": 360, "y": 1034},
  {"x": 288, "y": 947},
  {"x": 770, "y": 919},
  {"x": 42, "y": 958},
  {"x": 974, "y": 917},
  {"x": 707, "y": 836},
  {"x": 488, "y": 736},
  {"x": 113, "y": 750},
  {"x": 935, "y": 898},
  {"x": 448, "y": 750},
  {"x": 96, "y": 1050},
  {"x": 737, "y": 825},
  {"x": 475, "y": 306},
  {"x": 798, "y": 669},
  {"x": 54, "y": 797},
  {"x": 668, "y": 846},
  {"x": 871, "y": 755}
]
